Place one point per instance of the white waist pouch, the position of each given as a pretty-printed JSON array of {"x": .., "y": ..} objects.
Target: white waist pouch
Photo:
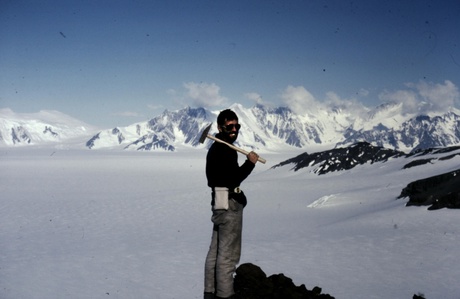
[{"x": 220, "y": 198}]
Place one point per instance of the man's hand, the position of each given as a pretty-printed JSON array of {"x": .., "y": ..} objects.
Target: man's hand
[{"x": 253, "y": 157}]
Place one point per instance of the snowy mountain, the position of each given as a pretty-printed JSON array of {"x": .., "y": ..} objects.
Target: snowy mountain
[
  {"x": 272, "y": 129},
  {"x": 43, "y": 127},
  {"x": 263, "y": 129},
  {"x": 165, "y": 131},
  {"x": 417, "y": 132}
]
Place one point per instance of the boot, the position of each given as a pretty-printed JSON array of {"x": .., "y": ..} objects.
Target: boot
[{"x": 209, "y": 295}]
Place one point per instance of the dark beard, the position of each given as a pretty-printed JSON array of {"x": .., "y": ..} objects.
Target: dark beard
[{"x": 228, "y": 137}]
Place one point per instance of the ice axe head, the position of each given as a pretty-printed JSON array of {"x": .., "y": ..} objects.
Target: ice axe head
[{"x": 205, "y": 133}]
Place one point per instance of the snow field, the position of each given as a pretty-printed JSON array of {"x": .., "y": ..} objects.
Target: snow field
[{"x": 123, "y": 224}]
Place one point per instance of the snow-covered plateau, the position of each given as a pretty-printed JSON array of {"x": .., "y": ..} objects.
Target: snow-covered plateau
[{"x": 79, "y": 223}]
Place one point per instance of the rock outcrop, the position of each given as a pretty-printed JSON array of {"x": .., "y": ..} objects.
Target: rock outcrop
[
  {"x": 441, "y": 191},
  {"x": 252, "y": 283}
]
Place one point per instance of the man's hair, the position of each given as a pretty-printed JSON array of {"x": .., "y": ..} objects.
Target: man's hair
[{"x": 226, "y": 115}]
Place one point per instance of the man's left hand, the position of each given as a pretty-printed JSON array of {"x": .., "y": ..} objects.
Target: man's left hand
[{"x": 253, "y": 157}]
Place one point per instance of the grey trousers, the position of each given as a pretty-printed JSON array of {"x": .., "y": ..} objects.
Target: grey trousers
[{"x": 225, "y": 250}]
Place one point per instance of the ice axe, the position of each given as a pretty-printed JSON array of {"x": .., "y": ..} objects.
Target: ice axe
[{"x": 206, "y": 134}]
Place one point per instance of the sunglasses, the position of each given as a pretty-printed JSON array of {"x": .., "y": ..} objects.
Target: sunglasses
[{"x": 230, "y": 127}]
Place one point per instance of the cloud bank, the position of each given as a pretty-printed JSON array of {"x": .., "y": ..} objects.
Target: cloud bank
[
  {"x": 422, "y": 97},
  {"x": 300, "y": 100},
  {"x": 127, "y": 114},
  {"x": 255, "y": 97},
  {"x": 416, "y": 98},
  {"x": 425, "y": 97},
  {"x": 204, "y": 94}
]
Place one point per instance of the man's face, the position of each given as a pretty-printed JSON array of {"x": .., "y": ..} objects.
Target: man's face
[{"x": 230, "y": 130}]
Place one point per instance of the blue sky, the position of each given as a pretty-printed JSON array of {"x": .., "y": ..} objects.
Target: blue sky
[{"x": 113, "y": 63}]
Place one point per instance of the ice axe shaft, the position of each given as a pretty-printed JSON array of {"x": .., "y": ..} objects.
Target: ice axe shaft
[
  {"x": 262, "y": 160},
  {"x": 207, "y": 135}
]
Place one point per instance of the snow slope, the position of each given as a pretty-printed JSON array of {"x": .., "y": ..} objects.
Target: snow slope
[
  {"x": 40, "y": 128},
  {"x": 125, "y": 224}
]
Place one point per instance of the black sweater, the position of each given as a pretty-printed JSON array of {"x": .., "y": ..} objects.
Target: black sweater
[{"x": 222, "y": 169}]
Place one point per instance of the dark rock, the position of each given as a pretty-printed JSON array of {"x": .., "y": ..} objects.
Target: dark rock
[
  {"x": 252, "y": 283},
  {"x": 436, "y": 150},
  {"x": 417, "y": 163},
  {"x": 342, "y": 158},
  {"x": 441, "y": 191}
]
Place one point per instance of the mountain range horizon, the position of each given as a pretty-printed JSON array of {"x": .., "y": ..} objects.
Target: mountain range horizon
[{"x": 264, "y": 128}]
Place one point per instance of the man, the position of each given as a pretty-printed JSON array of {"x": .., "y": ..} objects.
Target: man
[{"x": 222, "y": 170}]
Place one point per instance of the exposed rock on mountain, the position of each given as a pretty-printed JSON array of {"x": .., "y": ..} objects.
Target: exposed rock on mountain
[
  {"x": 342, "y": 158},
  {"x": 434, "y": 153},
  {"x": 441, "y": 191},
  {"x": 19, "y": 134},
  {"x": 361, "y": 153}
]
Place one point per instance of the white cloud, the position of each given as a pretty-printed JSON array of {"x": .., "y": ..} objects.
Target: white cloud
[
  {"x": 204, "y": 94},
  {"x": 155, "y": 107},
  {"x": 300, "y": 100},
  {"x": 425, "y": 97},
  {"x": 363, "y": 92},
  {"x": 407, "y": 97},
  {"x": 440, "y": 97},
  {"x": 352, "y": 106},
  {"x": 334, "y": 99},
  {"x": 171, "y": 92},
  {"x": 127, "y": 114},
  {"x": 255, "y": 97}
]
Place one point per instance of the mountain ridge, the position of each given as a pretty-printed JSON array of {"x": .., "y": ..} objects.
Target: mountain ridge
[
  {"x": 263, "y": 128},
  {"x": 43, "y": 127}
]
